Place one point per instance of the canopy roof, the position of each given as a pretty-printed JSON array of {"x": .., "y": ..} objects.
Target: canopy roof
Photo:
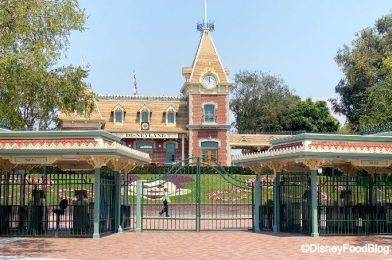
[
  {"x": 67, "y": 150},
  {"x": 311, "y": 151}
]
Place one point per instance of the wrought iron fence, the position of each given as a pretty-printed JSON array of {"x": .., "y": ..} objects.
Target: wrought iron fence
[
  {"x": 355, "y": 204},
  {"x": 376, "y": 129},
  {"x": 46, "y": 202}
]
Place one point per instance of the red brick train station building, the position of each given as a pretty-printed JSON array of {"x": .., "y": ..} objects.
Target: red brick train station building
[{"x": 170, "y": 129}]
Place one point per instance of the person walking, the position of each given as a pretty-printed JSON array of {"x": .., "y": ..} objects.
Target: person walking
[{"x": 166, "y": 201}]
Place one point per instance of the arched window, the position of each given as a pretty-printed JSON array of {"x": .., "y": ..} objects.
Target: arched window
[
  {"x": 144, "y": 114},
  {"x": 209, "y": 150},
  {"x": 209, "y": 113},
  {"x": 170, "y": 116}
]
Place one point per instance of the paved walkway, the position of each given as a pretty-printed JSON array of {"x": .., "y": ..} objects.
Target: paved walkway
[{"x": 188, "y": 245}]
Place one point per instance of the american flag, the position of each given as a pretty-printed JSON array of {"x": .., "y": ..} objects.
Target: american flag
[{"x": 134, "y": 84}]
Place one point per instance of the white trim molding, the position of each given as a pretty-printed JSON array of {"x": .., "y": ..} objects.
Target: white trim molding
[{"x": 209, "y": 140}]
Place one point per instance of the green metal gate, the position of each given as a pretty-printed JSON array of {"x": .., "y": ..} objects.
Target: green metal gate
[
  {"x": 202, "y": 197},
  {"x": 295, "y": 202},
  {"x": 107, "y": 202},
  {"x": 266, "y": 202},
  {"x": 127, "y": 203}
]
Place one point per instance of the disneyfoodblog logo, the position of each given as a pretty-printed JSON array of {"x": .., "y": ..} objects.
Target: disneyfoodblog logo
[{"x": 345, "y": 248}]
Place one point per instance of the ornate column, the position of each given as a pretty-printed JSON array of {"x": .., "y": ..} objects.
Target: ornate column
[
  {"x": 117, "y": 199},
  {"x": 139, "y": 201},
  {"x": 314, "y": 203},
  {"x": 98, "y": 162},
  {"x": 182, "y": 149},
  {"x": 97, "y": 202},
  {"x": 276, "y": 225},
  {"x": 256, "y": 200}
]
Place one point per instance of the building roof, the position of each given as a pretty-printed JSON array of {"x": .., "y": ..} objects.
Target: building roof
[
  {"x": 261, "y": 141},
  {"x": 157, "y": 105},
  {"x": 206, "y": 60},
  {"x": 207, "y": 57},
  {"x": 318, "y": 150},
  {"x": 70, "y": 148},
  {"x": 94, "y": 116}
]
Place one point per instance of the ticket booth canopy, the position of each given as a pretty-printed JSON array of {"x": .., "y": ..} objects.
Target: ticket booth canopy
[
  {"x": 304, "y": 152},
  {"x": 351, "y": 197},
  {"x": 67, "y": 150}
]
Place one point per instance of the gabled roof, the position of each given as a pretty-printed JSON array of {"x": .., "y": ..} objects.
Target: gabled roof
[
  {"x": 144, "y": 108},
  {"x": 170, "y": 107},
  {"x": 207, "y": 60},
  {"x": 118, "y": 107}
]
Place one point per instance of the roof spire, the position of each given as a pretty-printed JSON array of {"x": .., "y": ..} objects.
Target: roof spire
[
  {"x": 205, "y": 25},
  {"x": 205, "y": 11}
]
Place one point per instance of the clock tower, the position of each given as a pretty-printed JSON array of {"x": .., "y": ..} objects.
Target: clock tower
[{"x": 207, "y": 89}]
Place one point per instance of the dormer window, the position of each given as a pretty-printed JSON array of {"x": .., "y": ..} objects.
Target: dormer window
[
  {"x": 118, "y": 117},
  {"x": 145, "y": 114},
  {"x": 170, "y": 116},
  {"x": 118, "y": 114}
]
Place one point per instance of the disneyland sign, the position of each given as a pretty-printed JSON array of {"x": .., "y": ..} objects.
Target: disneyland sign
[{"x": 149, "y": 135}]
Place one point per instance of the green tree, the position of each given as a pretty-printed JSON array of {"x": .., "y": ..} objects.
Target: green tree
[
  {"x": 365, "y": 91},
  {"x": 33, "y": 37},
  {"x": 261, "y": 102},
  {"x": 312, "y": 116}
]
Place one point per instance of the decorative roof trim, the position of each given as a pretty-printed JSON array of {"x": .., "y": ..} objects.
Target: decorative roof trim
[
  {"x": 82, "y": 146},
  {"x": 59, "y": 134},
  {"x": 118, "y": 107},
  {"x": 141, "y": 98},
  {"x": 331, "y": 137},
  {"x": 316, "y": 148},
  {"x": 197, "y": 56},
  {"x": 98, "y": 110},
  {"x": 145, "y": 108},
  {"x": 171, "y": 108}
]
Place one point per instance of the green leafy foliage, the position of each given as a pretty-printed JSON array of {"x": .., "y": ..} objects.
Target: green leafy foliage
[
  {"x": 263, "y": 103},
  {"x": 314, "y": 117},
  {"x": 34, "y": 35},
  {"x": 365, "y": 91}
]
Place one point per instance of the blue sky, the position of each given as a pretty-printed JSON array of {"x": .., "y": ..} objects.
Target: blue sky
[{"x": 296, "y": 40}]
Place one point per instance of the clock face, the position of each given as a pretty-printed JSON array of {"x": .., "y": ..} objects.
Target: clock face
[
  {"x": 145, "y": 126},
  {"x": 209, "y": 81}
]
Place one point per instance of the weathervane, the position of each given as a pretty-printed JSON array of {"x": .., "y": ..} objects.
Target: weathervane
[{"x": 209, "y": 26}]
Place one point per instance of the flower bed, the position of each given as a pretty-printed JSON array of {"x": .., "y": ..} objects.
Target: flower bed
[{"x": 224, "y": 195}]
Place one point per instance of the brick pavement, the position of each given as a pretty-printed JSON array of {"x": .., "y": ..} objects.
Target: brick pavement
[{"x": 187, "y": 245}]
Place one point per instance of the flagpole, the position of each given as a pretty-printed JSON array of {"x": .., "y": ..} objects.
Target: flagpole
[{"x": 205, "y": 11}]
